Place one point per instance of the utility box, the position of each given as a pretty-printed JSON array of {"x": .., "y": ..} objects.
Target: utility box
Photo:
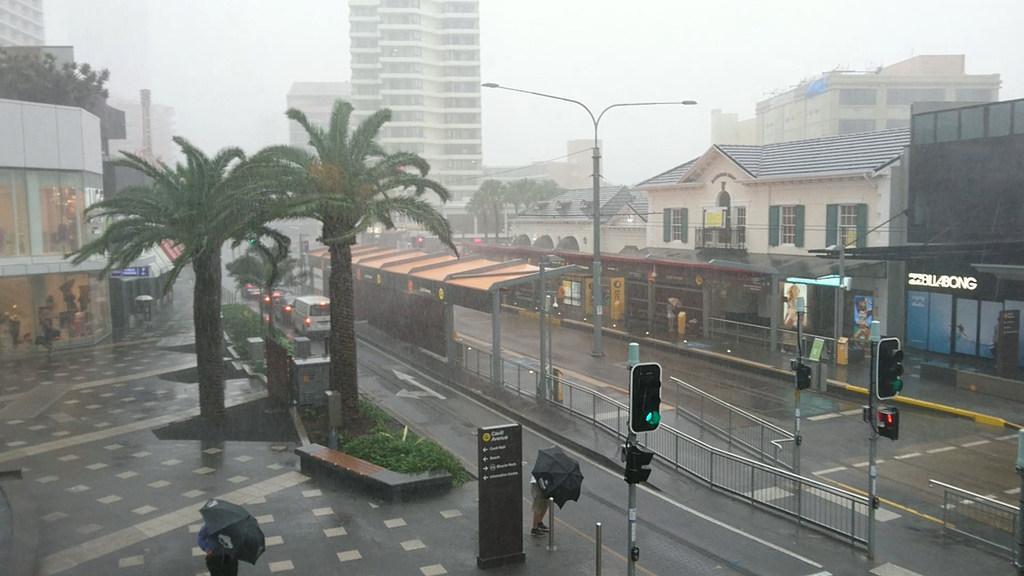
[
  {"x": 302, "y": 347},
  {"x": 255, "y": 347},
  {"x": 310, "y": 379},
  {"x": 843, "y": 351}
]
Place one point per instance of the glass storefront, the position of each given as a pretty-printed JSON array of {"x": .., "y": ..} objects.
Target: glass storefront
[
  {"x": 947, "y": 323},
  {"x": 42, "y": 211},
  {"x": 73, "y": 309}
]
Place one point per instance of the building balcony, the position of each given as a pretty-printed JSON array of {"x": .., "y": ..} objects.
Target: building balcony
[{"x": 726, "y": 239}]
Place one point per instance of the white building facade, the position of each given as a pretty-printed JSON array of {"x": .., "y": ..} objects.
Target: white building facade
[
  {"x": 421, "y": 59},
  {"x": 21, "y": 23},
  {"x": 50, "y": 172},
  {"x": 764, "y": 207},
  {"x": 566, "y": 222},
  {"x": 846, "y": 102}
]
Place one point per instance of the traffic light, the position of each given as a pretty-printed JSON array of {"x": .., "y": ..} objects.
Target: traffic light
[
  {"x": 637, "y": 460},
  {"x": 888, "y": 368},
  {"x": 889, "y": 422},
  {"x": 803, "y": 374},
  {"x": 644, "y": 397}
]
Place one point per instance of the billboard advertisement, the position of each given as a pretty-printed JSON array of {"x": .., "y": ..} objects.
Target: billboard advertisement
[
  {"x": 791, "y": 293},
  {"x": 863, "y": 314}
]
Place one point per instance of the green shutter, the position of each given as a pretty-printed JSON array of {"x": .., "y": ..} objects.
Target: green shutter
[
  {"x": 798, "y": 217},
  {"x": 684, "y": 215},
  {"x": 666, "y": 229},
  {"x": 773, "y": 225},
  {"x": 832, "y": 225},
  {"x": 862, "y": 225}
]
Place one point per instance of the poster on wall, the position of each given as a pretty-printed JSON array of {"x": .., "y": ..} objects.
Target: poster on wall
[
  {"x": 863, "y": 314},
  {"x": 792, "y": 292}
]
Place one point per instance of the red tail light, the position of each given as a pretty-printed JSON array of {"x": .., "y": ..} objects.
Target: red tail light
[
  {"x": 266, "y": 299},
  {"x": 287, "y": 308},
  {"x": 309, "y": 321}
]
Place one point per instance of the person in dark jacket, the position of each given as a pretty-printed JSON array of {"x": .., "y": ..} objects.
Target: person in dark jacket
[{"x": 219, "y": 560}]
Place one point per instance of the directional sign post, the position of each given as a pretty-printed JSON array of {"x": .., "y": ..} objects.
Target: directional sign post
[{"x": 500, "y": 462}]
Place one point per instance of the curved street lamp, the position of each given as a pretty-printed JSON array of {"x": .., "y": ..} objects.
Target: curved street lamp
[{"x": 598, "y": 300}]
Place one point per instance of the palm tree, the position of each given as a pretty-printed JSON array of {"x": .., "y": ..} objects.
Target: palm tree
[
  {"x": 349, "y": 183},
  {"x": 196, "y": 206},
  {"x": 487, "y": 202},
  {"x": 266, "y": 267}
]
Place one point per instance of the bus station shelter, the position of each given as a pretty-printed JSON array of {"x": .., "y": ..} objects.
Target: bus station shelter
[{"x": 412, "y": 294}]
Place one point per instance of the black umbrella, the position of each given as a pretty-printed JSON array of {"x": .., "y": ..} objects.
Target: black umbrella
[
  {"x": 234, "y": 529},
  {"x": 558, "y": 475}
]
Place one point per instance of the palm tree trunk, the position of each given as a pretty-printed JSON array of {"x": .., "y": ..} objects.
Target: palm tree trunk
[
  {"x": 209, "y": 334},
  {"x": 343, "y": 334}
]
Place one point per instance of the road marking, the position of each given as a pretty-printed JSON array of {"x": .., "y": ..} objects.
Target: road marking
[
  {"x": 827, "y": 416},
  {"x": 410, "y": 380},
  {"x": 821, "y": 574},
  {"x": 618, "y": 474},
  {"x": 1012, "y": 491},
  {"x": 906, "y": 456},
  {"x": 1007, "y": 437},
  {"x": 940, "y": 450},
  {"x": 112, "y": 431},
  {"x": 890, "y": 569},
  {"x": 851, "y": 412},
  {"x": 829, "y": 470},
  {"x": 861, "y": 464},
  {"x": 109, "y": 543},
  {"x": 769, "y": 494},
  {"x": 975, "y": 443},
  {"x": 886, "y": 501}
]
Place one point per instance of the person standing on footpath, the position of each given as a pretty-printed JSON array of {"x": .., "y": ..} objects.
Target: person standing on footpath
[{"x": 219, "y": 560}]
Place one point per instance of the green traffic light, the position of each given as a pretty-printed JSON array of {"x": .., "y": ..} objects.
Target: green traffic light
[
  {"x": 653, "y": 418},
  {"x": 897, "y": 384}
]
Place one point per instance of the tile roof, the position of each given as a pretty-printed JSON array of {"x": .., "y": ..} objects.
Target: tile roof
[
  {"x": 843, "y": 154},
  {"x": 576, "y": 204}
]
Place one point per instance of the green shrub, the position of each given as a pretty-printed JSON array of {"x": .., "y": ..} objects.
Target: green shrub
[
  {"x": 242, "y": 323},
  {"x": 396, "y": 448}
]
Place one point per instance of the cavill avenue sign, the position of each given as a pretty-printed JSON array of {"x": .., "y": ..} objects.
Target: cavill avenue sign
[{"x": 943, "y": 281}]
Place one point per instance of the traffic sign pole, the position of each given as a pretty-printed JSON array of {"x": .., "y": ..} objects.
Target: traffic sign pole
[
  {"x": 632, "y": 552},
  {"x": 876, "y": 329}
]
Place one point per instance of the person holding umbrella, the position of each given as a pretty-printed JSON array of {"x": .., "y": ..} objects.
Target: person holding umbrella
[
  {"x": 229, "y": 534},
  {"x": 219, "y": 560},
  {"x": 557, "y": 476}
]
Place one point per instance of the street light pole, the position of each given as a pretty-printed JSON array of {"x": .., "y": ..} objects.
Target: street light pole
[
  {"x": 596, "y": 291},
  {"x": 876, "y": 336}
]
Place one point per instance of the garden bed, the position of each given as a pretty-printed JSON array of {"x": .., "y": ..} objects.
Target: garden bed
[{"x": 381, "y": 440}]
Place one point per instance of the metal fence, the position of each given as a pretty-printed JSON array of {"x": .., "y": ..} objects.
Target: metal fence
[
  {"x": 978, "y": 517},
  {"x": 724, "y": 330},
  {"x": 738, "y": 428},
  {"x": 834, "y": 510}
]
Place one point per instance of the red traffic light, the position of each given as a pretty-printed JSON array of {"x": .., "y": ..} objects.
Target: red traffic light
[{"x": 888, "y": 422}]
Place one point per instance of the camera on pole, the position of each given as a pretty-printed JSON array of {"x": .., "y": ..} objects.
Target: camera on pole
[{"x": 645, "y": 397}]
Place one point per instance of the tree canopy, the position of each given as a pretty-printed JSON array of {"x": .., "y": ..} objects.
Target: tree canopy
[{"x": 36, "y": 77}]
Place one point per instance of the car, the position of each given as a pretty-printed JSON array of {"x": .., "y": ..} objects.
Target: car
[
  {"x": 283, "y": 307},
  {"x": 312, "y": 316},
  {"x": 251, "y": 291}
]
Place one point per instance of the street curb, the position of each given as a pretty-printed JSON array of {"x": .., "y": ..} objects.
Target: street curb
[
  {"x": 839, "y": 386},
  {"x": 978, "y": 417}
]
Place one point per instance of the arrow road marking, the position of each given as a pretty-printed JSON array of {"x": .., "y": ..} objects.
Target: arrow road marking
[
  {"x": 417, "y": 394},
  {"x": 410, "y": 380}
]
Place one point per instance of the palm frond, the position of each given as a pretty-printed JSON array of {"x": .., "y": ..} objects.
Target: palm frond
[{"x": 315, "y": 133}]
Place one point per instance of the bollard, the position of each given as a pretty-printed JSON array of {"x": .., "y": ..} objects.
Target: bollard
[
  {"x": 597, "y": 548},
  {"x": 551, "y": 525}
]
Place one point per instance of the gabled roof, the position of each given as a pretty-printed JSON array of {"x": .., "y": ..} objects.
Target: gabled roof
[
  {"x": 576, "y": 204},
  {"x": 844, "y": 154}
]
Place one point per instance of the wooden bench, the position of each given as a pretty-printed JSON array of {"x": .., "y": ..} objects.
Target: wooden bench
[{"x": 345, "y": 469}]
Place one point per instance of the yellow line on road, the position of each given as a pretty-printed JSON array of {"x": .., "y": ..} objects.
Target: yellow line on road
[
  {"x": 970, "y": 414},
  {"x": 885, "y": 501}
]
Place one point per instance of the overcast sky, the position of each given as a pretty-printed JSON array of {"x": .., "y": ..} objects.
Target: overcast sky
[{"x": 226, "y": 65}]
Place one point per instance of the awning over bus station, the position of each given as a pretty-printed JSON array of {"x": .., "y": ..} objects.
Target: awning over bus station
[{"x": 382, "y": 276}]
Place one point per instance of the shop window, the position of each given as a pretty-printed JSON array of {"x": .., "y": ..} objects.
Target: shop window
[
  {"x": 571, "y": 293},
  {"x": 60, "y": 207},
  {"x": 13, "y": 214}
]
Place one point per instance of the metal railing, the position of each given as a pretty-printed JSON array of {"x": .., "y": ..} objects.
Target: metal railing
[
  {"x": 724, "y": 238},
  {"x": 744, "y": 332},
  {"x": 738, "y": 428},
  {"x": 834, "y": 510},
  {"x": 978, "y": 517}
]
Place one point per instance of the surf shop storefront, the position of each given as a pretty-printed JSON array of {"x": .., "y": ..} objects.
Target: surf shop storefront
[{"x": 956, "y": 310}]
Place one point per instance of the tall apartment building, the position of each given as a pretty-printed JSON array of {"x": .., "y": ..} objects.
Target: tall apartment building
[
  {"x": 421, "y": 59},
  {"x": 316, "y": 100},
  {"x": 845, "y": 102},
  {"x": 21, "y": 23},
  {"x": 149, "y": 129}
]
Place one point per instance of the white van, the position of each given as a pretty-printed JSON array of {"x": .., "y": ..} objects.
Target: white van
[{"x": 312, "y": 315}]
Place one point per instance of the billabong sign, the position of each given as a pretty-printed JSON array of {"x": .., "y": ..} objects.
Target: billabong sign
[{"x": 943, "y": 281}]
